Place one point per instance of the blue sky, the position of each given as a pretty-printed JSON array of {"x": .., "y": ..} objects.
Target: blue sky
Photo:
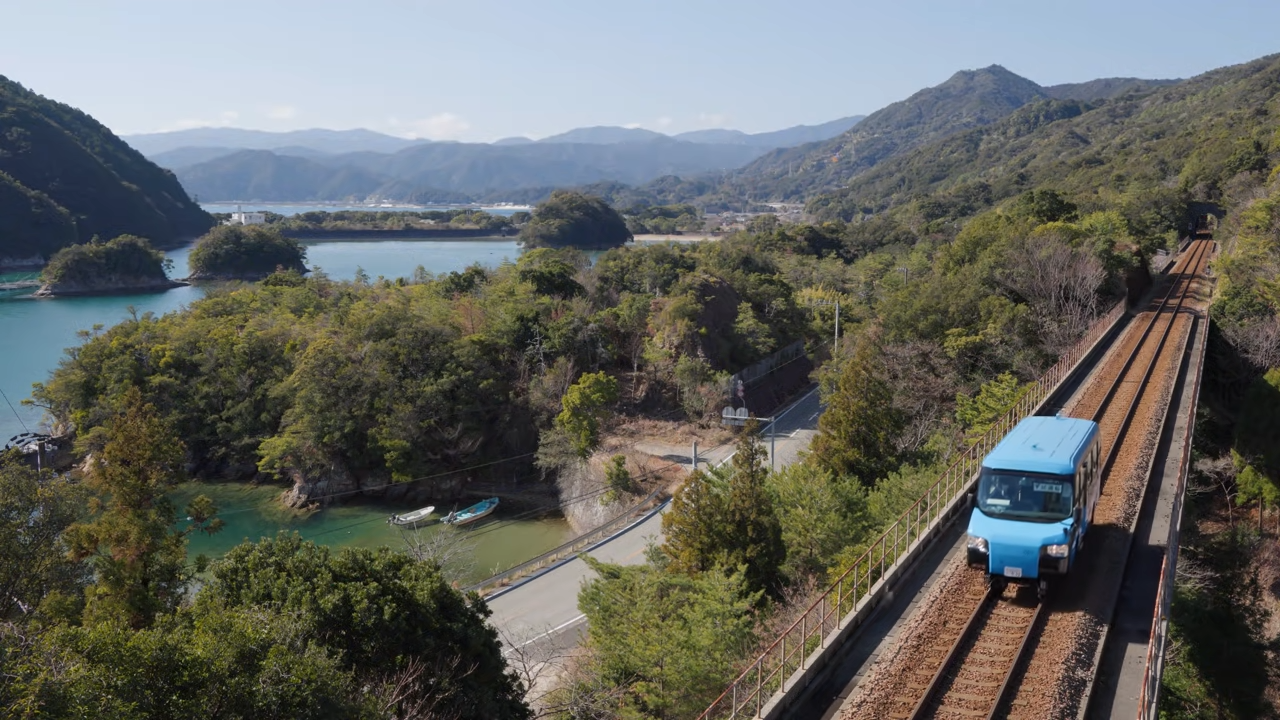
[{"x": 479, "y": 70}]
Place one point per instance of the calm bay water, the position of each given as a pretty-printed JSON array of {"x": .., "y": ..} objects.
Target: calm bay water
[
  {"x": 292, "y": 209},
  {"x": 34, "y": 332},
  {"x": 252, "y": 513}
]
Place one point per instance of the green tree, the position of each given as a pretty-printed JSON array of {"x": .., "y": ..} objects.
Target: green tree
[
  {"x": 384, "y": 616},
  {"x": 820, "y": 515},
  {"x": 668, "y": 641},
  {"x": 694, "y": 526},
  {"x": 241, "y": 664},
  {"x": 727, "y": 518},
  {"x": 137, "y": 557},
  {"x": 754, "y": 339},
  {"x": 700, "y": 387},
  {"x": 1045, "y": 206},
  {"x": 754, "y": 541},
  {"x": 616, "y": 476},
  {"x": 978, "y": 413},
  {"x": 548, "y": 271},
  {"x": 97, "y": 262},
  {"x": 245, "y": 251},
  {"x": 572, "y": 219},
  {"x": 858, "y": 430},
  {"x": 1257, "y": 444},
  {"x": 585, "y": 406},
  {"x": 34, "y": 511}
]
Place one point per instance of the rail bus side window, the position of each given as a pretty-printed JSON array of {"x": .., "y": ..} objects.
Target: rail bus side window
[{"x": 1082, "y": 480}]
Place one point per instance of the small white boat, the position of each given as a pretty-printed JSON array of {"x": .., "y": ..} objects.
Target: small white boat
[
  {"x": 417, "y": 516},
  {"x": 471, "y": 514}
]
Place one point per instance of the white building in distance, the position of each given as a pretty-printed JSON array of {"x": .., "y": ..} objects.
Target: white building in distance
[{"x": 247, "y": 218}]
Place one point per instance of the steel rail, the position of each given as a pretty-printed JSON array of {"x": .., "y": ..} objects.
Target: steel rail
[
  {"x": 955, "y": 657},
  {"x": 1181, "y": 287},
  {"x": 1184, "y": 282},
  {"x": 936, "y": 682}
]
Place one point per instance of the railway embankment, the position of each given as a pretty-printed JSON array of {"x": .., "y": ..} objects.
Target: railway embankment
[{"x": 1130, "y": 396}]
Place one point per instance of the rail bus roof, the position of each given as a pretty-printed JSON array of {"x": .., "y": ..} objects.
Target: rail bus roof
[{"x": 1043, "y": 444}]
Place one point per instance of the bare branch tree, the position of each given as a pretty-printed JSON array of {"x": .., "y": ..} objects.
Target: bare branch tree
[
  {"x": 450, "y": 548},
  {"x": 539, "y": 665},
  {"x": 1059, "y": 283},
  {"x": 422, "y": 689}
]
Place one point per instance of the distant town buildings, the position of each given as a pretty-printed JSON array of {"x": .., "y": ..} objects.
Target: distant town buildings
[
  {"x": 247, "y": 218},
  {"x": 240, "y": 217}
]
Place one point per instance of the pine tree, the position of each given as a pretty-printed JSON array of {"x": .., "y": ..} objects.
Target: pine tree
[
  {"x": 694, "y": 526},
  {"x": 137, "y": 557},
  {"x": 754, "y": 539},
  {"x": 857, "y": 432}
]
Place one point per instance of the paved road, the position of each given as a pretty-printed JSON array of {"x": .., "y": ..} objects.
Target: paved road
[{"x": 541, "y": 617}]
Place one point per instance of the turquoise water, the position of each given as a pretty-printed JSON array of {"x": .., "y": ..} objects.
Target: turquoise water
[
  {"x": 251, "y": 513},
  {"x": 33, "y": 332}
]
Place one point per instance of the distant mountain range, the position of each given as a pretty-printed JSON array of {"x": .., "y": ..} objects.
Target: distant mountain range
[
  {"x": 233, "y": 164},
  {"x": 452, "y": 169},
  {"x": 235, "y": 139},
  {"x": 716, "y": 168},
  {"x": 208, "y": 143},
  {"x": 798, "y": 135}
]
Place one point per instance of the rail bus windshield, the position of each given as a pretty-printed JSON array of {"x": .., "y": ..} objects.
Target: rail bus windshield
[{"x": 1013, "y": 495}]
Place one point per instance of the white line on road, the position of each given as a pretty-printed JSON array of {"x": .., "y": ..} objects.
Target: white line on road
[{"x": 552, "y": 631}]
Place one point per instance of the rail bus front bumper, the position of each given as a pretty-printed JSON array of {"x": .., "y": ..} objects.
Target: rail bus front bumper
[{"x": 1016, "y": 563}]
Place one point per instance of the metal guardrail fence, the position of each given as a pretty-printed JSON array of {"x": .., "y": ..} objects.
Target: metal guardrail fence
[
  {"x": 768, "y": 673},
  {"x": 1149, "y": 695},
  {"x": 557, "y": 554}
]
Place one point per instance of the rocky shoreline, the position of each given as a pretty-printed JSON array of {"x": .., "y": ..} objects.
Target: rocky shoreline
[
  {"x": 108, "y": 286},
  {"x": 229, "y": 276}
]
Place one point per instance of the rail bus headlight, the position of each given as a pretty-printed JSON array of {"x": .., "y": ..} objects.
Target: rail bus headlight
[
  {"x": 1057, "y": 551},
  {"x": 979, "y": 544}
]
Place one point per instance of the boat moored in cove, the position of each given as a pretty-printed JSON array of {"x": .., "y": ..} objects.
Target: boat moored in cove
[
  {"x": 415, "y": 517},
  {"x": 471, "y": 514}
]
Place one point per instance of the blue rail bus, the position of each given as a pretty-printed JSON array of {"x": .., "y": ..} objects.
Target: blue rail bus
[{"x": 1036, "y": 494}]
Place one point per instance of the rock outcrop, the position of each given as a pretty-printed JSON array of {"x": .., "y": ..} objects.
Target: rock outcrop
[{"x": 108, "y": 285}]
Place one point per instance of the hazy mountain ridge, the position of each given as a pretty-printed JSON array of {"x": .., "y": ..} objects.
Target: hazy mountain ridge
[
  {"x": 1198, "y": 132},
  {"x": 317, "y": 139},
  {"x": 64, "y": 178},
  {"x": 450, "y": 167}
]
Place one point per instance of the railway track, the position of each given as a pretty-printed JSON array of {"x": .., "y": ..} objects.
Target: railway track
[{"x": 986, "y": 638}]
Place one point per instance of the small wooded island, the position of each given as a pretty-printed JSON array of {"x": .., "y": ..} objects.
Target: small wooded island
[
  {"x": 574, "y": 219},
  {"x": 126, "y": 263},
  {"x": 244, "y": 252}
]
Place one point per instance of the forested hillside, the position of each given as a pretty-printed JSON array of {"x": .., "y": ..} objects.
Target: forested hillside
[
  {"x": 65, "y": 178},
  {"x": 970, "y": 98},
  {"x": 1184, "y": 142}
]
